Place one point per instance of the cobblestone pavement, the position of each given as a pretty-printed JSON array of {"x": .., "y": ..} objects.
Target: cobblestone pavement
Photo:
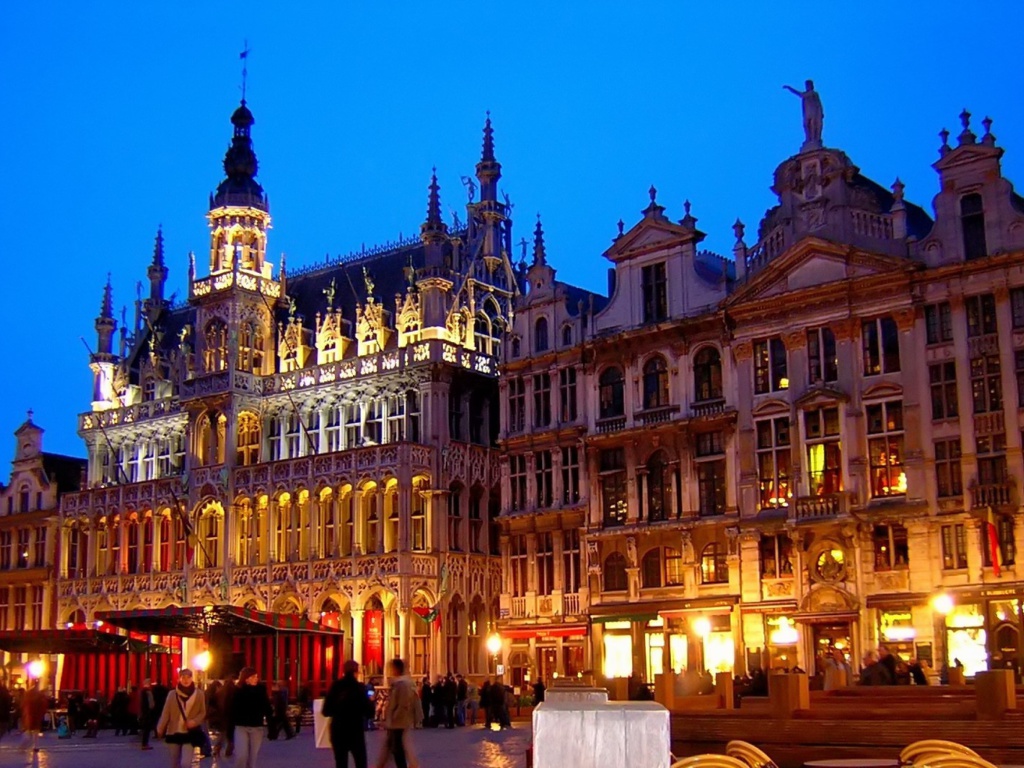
[{"x": 470, "y": 747}]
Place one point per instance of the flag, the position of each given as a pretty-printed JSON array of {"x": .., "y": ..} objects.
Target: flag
[{"x": 992, "y": 538}]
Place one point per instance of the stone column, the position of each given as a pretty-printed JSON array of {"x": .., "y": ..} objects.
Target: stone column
[
  {"x": 738, "y": 368},
  {"x": 357, "y": 635},
  {"x": 965, "y": 403}
]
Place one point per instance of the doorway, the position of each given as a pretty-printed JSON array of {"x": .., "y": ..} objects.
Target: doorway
[{"x": 825, "y": 638}]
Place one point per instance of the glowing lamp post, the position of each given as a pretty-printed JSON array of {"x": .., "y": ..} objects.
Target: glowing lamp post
[
  {"x": 942, "y": 605},
  {"x": 201, "y": 662},
  {"x": 36, "y": 669},
  {"x": 494, "y": 648},
  {"x": 702, "y": 628}
]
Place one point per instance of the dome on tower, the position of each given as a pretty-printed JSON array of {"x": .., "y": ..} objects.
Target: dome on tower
[{"x": 240, "y": 167}]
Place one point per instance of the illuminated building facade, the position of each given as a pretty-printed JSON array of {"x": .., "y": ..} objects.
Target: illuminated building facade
[
  {"x": 316, "y": 442},
  {"x": 28, "y": 536},
  {"x": 815, "y": 444}
]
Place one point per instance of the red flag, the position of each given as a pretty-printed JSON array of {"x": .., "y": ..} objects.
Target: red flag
[{"x": 993, "y": 547}]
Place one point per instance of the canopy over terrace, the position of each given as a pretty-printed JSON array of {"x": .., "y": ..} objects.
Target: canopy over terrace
[
  {"x": 93, "y": 660},
  {"x": 281, "y": 646}
]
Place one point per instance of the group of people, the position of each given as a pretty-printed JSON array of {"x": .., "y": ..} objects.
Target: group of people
[
  {"x": 880, "y": 667},
  {"x": 24, "y": 708}
]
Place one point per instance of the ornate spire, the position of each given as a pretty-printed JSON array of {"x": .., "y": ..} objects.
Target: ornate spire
[
  {"x": 488, "y": 153},
  {"x": 539, "y": 254},
  {"x": 488, "y": 170},
  {"x": 966, "y": 135},
  {"x": 433, "y": 230},
  {"x": 158, "y": 247},
  {"x": 240, "y": 166},
  {"x": 107, "y": 306},
  {"x": 157, "y": 272}
]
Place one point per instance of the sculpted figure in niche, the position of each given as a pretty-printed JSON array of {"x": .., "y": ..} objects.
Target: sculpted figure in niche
[{"x": 814, "y": 115}]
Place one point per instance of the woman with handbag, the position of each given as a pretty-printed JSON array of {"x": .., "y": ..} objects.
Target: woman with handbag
[{"x": 181, "y": 722}]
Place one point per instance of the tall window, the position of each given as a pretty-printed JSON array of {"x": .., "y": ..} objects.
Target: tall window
[
  {"x": 39, "y": 547},
  {"x": 73, "y": 558},
  {"x": 517, "y": 561},
  {"x": 567, "y": 395},
  {"x": 972, "y": 223},
  {"x": 650, "y": 569},
  {"x": 942, "y": 377},
  {"x": 655, "y": 292},
  {"x": 822, "y": 363},
  {"x": 611, "y": 393},
  {"x": 545, "y": 563},
  {"x": 612, "y": 465},
  {"x": 570, "y": 475},
  {"x": 374, "y": 430},
  {"x": 20, "y": 607},
  {"x": 132, "y": 536},
  {"x": 476, "y": 518},
  {"x": 954, "y": 547},
  {"x": 542, "y": 400},
  {"x": 545, "y": 478},
  {"x": 707, "y": 375},
  {"x": 1004, "y": 539},
  {"x": 655, "y": 383},
  {"x": 673, "y": 567},
  {"x": 353, "y": 425},
  {"x": 986, "y": 384},
  {"x": 1017, "y": 307},
  {"x": 412, "y": 415},
  {"x": 824, "y": 455},
  {"x": 248, "y": 439},
  {"x": 770, "y": 372},
  {"x": 948, "y": 477},
  {"x": 517, "y": 482},
  {"x": 332, "y": 428},
  {"x": 991, "y": 451},
  {"x": 516, "y": 404},
  {"x": 615, "y": 573},
  {"x": 566, "y": 335},
  {"x": 570, "y": 561},
  {"x": 455, "y": 517},
  {"x": 209, "y": 529},
  {"x": 6, "y": 547},
  {"x": 776, "y": 557},
  {"x": 885, "y": 448},
  {"x": 541, "y": 338},
  {"x": 659, "y": 487},
  {"x": 981, "y": 315},
  {"x": 891, "y": 548},
  {"x": 1018, "y": 359},
  {"x": 773, "y": 462},
  {"x": 292, "y": 435},
  {"x": 115, "y": 546},
  {"x": 216, "y": 338},
  {"x": 371, "y": 521},
  {"x": 714, "y": 568},
  {"x": 418, "y": 529},
  {"x": 24, "y": 554},
  {"x": 881, "y": 340},
  {"x": 710, "y": 459},
  {"x": 938, "y": 322}
]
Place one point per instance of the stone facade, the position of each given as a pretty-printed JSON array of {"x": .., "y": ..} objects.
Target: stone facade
[
  {"x": 317, "y": 442},
  {"x": 812, "y": 445}
]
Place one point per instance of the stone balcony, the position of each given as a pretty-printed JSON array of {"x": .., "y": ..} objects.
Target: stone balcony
[
  {"x": 994, "y": 495},
  {"x": 660, "y": 415},
  {"x": 130, "y": 414},
  {"x": 812, "y": 508},
  {"x": 546, "y": 606}
]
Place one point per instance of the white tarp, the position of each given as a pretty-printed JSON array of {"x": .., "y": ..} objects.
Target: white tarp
[
  {"x": 575, "y": 693},
  {"x": 590, "y": 734},
  {"x": 321, "y": 726}
]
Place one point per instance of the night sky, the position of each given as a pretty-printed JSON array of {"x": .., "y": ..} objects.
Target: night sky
[{"x": 114, "y": 119}]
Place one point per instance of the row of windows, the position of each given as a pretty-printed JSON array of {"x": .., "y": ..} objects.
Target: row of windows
[
  {"x": 707, "y": 383},
  {"x": 24, "y": 499},
  {"x": 21, "y": 608},
  {"x": 143, "y": 460},
  {"x": 546, "y": 554},
  {"x": 567, "y": 409},
  {"x": 23, "y": 548}
]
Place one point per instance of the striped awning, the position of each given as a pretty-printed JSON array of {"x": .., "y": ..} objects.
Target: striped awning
[
  {"x": 50, "y": 641},
  {"x": 201, "y": 620}
]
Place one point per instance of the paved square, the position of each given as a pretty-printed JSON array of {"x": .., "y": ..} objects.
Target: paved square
[{"x": 471, "y": 747}]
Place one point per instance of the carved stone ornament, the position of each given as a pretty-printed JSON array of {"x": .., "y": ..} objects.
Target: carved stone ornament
[
  {"x": 631, "y": 554},
  {"x": 593, "y": 559}
]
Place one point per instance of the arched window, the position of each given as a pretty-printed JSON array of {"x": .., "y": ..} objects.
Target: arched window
[
  {"x": 209, "y": 530},
  {"x": 972, "y": 222},
  {"x": 650, "y": 570},
  {"x": 244, "y": 360},
  {"x": 566, "y": 335},
  {"x": 707, "y": 375},
  {"x": 149, "y": 387},
  {"x": 713, "y": 566},
  {"x": 615, "y": 573},
  {"x": 204, "y": 441},
  {"x": 612, "y": 393},
  {"x": 659, "y": 487},
  {"x": 482, "y": 334},
  {"x": 541, "y": 341},
  {"x": 371, "y": 526},
  {"x": 516, "y": 347},
  {"x": 248, "y": 439},
  {"x": 132, "y": 540},
  {"x": 216, "y": 338},
  {"x": 655, "y": 383}
]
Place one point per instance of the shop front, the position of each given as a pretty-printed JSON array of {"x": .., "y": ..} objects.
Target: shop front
[
  {"x": 982, "y": 628},
  {"x": 904, "y": 624},
  {"x": 546, "y": 653}
]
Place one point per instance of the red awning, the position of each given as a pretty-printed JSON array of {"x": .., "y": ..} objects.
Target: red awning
[
  {"x": 47, "y": 641},
  {"x": 200, "y": 620},
  {"x": 525, "y": 634}
]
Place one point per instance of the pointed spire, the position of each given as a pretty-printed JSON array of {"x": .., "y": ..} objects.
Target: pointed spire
[
  {"x": 241, "y": 166},
  {"x": 539, "y": 254},
  {"x": 488, "y": 153},
  {"x": 107, "y": 307},
  {"x": 158, "y": 247},
  {"x": 433, "y": 230}
]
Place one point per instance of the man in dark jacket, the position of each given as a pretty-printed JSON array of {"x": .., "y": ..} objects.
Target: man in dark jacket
[
  {"x": 426, "y": 695},
  {"x": 450, "y": 692},
  {"x": 147, "y": 712},
  {"x": 888, "y": 661},
  {"x": 280, "y": 721},
  {"x": 348, "y": 705},
  {"x": 874, "y": 672}
]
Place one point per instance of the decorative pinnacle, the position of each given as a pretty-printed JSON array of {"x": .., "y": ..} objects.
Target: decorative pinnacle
[
  {"x": 434, "y": 200},
  {"x": 738, "y": 228},
  {"x": 966, "y": 135},
  {"x": 897, "y": 190},
  {"x": 686, "y": 207},
  {"x": 539, "y": 255},
  {"x": 944, "y": 135},
  {"x": 158, "y": 247},
  {"x": 988, "y": 138},
  {"x": 622, "y": 226},
  {"x": 965, "y": 119},
  {"x": 488, "y": 153},
  {"x": 653, "y": 193},
  {"x": 107, "y": 307}
]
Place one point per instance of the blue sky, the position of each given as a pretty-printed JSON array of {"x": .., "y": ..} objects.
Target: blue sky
[{"x": 114, "y": 119}]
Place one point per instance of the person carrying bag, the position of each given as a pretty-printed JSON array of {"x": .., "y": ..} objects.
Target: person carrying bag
[{"x": 181, "y": 721}]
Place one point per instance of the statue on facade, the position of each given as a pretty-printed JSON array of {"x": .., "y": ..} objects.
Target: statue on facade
[
  {"x": 814, "y": 115},
  {"x": 470, "y": 186}
]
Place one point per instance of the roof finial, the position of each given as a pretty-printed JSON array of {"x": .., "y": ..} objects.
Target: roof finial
[
  {"x": 966, "y": 135},
  {"x": 107, "y": 306},
  {"x": 622, "y": 226},
  {"x": 488, "y": 153},
  {"x": 653, "y": 193},
  {"x": 434, "y": 199},
  {"x": 988, "y": 139},
  {"x": 539, "y": 254},
  {"x": 244, "y": 56},
  {"x": 738, "y": 229},
  {"x": 688, "y": 220},
  {"x": 944, "y": 135},
  {"x": 30, "y": 414},
  {"x": 897, "y": 190},
  {"x": 158, "y": 247}
]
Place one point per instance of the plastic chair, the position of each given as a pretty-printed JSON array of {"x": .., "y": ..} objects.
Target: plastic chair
[
  {"x": 960, "y": 760},
  {"x": 712, "y": 761},
  {"x": 914, "y": 753},
  {"x": 749, "y": 754}
]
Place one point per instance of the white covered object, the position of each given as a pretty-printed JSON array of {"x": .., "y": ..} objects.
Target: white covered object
[
  {"x": 589, "y": 734},
  {"x": 321, "y": 726},
  {"x": 575, "y": 693}
]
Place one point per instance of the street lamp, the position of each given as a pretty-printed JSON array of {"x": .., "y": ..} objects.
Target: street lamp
[
  {"x": 36, "y": 669},
  {"x": 942, "y": 605},
  {"x": 702, "y": 628},
  {"x": 494, "y": 648}
]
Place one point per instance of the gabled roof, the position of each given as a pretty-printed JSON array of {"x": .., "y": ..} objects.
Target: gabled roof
[
  {"x": 654, "y": 232},
  {"x": 65, "y": 471}
]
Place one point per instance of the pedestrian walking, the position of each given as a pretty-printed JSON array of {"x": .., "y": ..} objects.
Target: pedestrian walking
[
  {"x": 461, "y": 695},
  {"x": 147, "y": 712},
  {"x": 349, "y": 706},
  {"x": 837, "y": 671},
  {"x": 280, "y": 721},
  {"x": 485, "y": 702},
  {"x": 182, "y": 719},
  {"x": 250, "y": 708},
  {"x": 33, "y": 709},
  {"x": 426, "y": 694},
  {"x": 400, "y": 717}
]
